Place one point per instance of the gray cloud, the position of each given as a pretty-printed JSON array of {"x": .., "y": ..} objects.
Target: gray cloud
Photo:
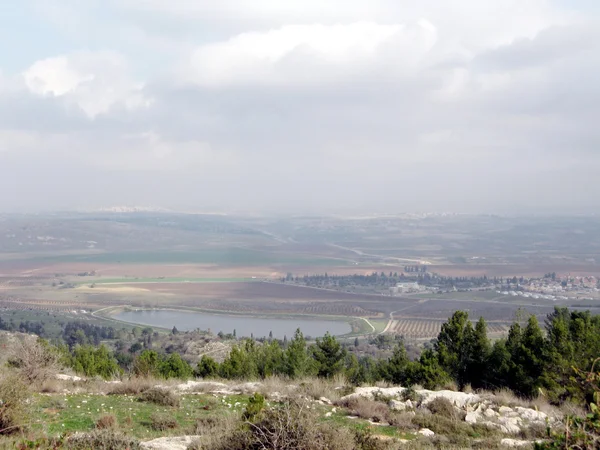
[{"x": 410, "y": 110}]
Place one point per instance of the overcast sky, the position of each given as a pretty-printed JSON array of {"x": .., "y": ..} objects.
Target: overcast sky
[{"x": 300, "y": 106}]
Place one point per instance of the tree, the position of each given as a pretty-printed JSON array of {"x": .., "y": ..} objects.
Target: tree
[
  {"x": 175, "y": 367},
  {"x": 296, "y": 359},
  {"x": 240, "y": 363},
  {"x": 526, "y": 350},
  {"x": 329, "y": 356},
  {"x": 95, "y": 361},
  {"x": 476, "y": 351},
  {"x": 356, "y": 342},
  {"x": 395, "y": 370},
  {"x": 451, "y": 345},
  {"x": 207, "y": 367},
  {"x": 147, "y": 364},
  {"x": 174, "y": 330}
]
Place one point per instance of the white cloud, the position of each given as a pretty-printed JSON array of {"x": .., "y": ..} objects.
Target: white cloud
[
  {"x": 95, "y": 82},
  {"x": 316, "y": 54}
]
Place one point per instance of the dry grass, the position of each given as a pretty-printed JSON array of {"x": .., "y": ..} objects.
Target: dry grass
[
  {"x": 105, "y": 422},
  {"x": 132, "y": 386},
  {"x": 366, "y": 409},
  {"x": 291, "y": 426},
  {"x": 52, "y": 386},
  {"x": 162, "y": 422},
  {"x": 214, "y": 430},
  {"x": 402, "y": 420},
  {"x": 316, "y": 388},
  {"x": 159, "y": 396},
  {"x": 506, "y": 397},
  {"x": 450, "y": 386},
  {"x": 444, "y": 407},
  {"x": 102, "y": 440}
]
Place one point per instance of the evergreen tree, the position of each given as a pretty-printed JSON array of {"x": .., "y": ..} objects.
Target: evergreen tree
[
  {"x": 296, "y": 359},
  {"x": 207, "y": 367},
  {"x": 329, "y": 356}
]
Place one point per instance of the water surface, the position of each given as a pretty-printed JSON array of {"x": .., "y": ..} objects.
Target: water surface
[{"x": 243, "y": 326}]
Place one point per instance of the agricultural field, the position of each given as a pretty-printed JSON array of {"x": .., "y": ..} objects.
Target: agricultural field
[{"x": 69, "y": 263}]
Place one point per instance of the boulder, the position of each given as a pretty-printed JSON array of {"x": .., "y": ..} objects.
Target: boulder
[
  {"x": 459, "y": 399},
  {"x": 426, "y": 432},
  {"x": 169, "y": 443},
  {"x": 531, "y": 414},
  {"x": 490, "y": 413},
  {"x": 510, "y": 425},
  {"x": 325, "y": 400},
  {"x": 472, "y": 417},
  {"x": 503, "y": 410},
  {"x": 397, "y": 405},
  {"x": 514, "y": 443}
]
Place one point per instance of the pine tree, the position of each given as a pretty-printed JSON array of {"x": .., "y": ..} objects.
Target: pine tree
[{"x": 329, "y": 356}]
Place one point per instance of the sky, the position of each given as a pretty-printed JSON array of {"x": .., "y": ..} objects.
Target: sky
[{"x": 295, "y": 107}]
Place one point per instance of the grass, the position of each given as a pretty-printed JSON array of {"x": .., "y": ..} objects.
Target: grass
[
  {"x": 80, "y": 412},
  {"x": 59, "y": 413},
  {"x": 379, "y": 324}
]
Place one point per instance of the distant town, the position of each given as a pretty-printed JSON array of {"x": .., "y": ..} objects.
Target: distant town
[{"x": 416, "y": 280}]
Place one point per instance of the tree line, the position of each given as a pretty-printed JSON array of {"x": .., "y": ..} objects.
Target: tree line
[{"x": 530, "y": 360}]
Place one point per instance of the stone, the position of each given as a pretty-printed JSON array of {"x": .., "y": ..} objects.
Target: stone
[
  {"x": 426, "y": 432},
  {"x": 64, "y": 377},
  {"x": 169, "y": 443},
  {"x": 505, "y": 410},
  {"x": 514, "y": 443},
  {"x": 328, "y": 414},
  {"x": 510, "y": 425},
  {"x": 472, "y": 417},
  {"x": 490, "y": 413},
  {"x": 325, "y": 400},
  {"x": 531, "y": 414},
  {"x": 397, "y": 405},
  {"x": 459, "y": 399}
]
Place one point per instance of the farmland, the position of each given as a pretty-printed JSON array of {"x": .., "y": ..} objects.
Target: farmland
[{"x": 84, "y": 262}]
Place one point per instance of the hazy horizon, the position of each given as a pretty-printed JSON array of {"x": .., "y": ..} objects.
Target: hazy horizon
[{"x": 355, "y": 107}]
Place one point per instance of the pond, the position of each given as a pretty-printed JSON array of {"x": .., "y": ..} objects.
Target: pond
[{"x": 244, "y": 326}]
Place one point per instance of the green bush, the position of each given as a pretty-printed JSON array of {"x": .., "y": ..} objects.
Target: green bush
[
  {"x": 13, "y": 397},
  {"x": 256, "y": 404}
]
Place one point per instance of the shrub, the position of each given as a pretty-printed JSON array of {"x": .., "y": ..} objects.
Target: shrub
[
  {"x": 411, "y": 394},
  {"x": 133, "y": 386},
  {"x": 102, "y": 440},
  {"x": 212, "y": 431},
  {"x": 443, "y": 407},
  {"x": 207, "y": 367},
  {"x": 293, "y": 426},
  {"x": 402, "y": 420},
  {"x": 160, "y": 396},
  {"x": 365, "y": 441},
  {"x": 13, "y": 395},
  {"x": 161, "y": 422},
  {"x": 106, "y": 422},
  {"x": 35, "y": 360},
  {"x": 367, "y": 409},
  {"x": 256, "y": 404}
]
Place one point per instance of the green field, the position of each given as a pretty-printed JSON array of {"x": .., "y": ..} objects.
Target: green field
[
  {"x": 164, "y": 280},
  {"x": 226, "y": 256}
]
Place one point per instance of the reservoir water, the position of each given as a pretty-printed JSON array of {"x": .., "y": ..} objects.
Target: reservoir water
[{"x": 244, "y": 326}]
